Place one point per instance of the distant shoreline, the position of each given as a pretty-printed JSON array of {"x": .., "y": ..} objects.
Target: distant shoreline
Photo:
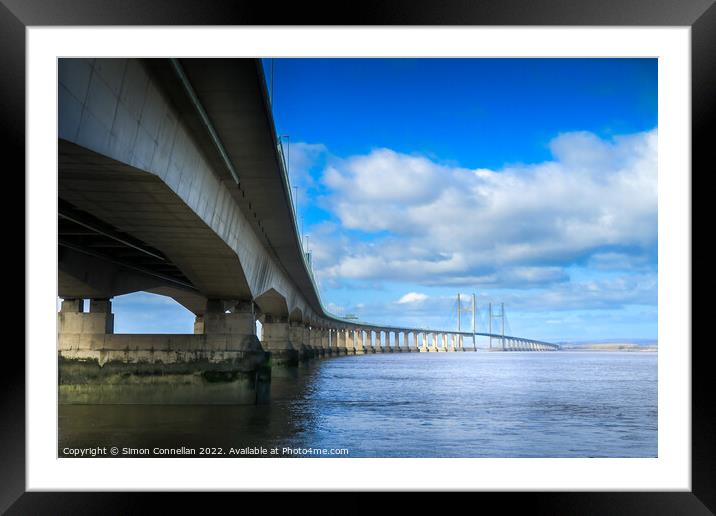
[
  {"x": 612, "y": 346},
  {"x": 608, "y": 350}
]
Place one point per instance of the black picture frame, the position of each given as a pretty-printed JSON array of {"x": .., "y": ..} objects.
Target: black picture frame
[{"x": 700, "y": 15}]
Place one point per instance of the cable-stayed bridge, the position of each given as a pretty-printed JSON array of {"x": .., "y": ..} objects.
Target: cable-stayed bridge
[{"x": 172, "y": 180}]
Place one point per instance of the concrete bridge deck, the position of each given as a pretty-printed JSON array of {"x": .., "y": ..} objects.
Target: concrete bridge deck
[{"x": 171, "y": 181}]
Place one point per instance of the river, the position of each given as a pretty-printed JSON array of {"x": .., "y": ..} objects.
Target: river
[{"x": 511, "y": 404}]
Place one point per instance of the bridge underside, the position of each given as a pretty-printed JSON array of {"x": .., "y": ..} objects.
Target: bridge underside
[{"x": 117, "y": 213}]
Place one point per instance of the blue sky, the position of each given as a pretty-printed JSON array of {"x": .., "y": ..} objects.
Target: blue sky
[{"x": 529, "y": 181}]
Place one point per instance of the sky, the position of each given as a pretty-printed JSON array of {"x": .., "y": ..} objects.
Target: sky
[{"x": 530, "y": 182}]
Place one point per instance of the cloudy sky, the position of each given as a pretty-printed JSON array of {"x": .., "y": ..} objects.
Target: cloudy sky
[{"x": 531, "y": 182}]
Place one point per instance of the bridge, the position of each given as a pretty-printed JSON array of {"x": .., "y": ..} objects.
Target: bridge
[{"x": 172, "y": 181}]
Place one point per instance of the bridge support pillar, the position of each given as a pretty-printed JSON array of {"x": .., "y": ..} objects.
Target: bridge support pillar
[
  {"x": 315, "y": 340},
  {"x": 73, "y": 320},
  {"x": 277, "y": 338},
  {"x": 340, "y": 347},
  {"x": 239, "y": 321},
  {"x": 298, "y": 337},
  {"x": 358, "y": 342},
  {"x": 406, "y": 342},
  {"x": 335, "y": 337},
  {"x": 330, "y": 340},
  {"x": 350, "y": 349},
  {"x": 311, "y": 352},
  {"x": 350, "y": 341},
  {"x": 325, "y": 342},
  {"x": 340, "y": 341},
  {"x": 224, "y": 364},
  {"x": 369, "y": 345}
]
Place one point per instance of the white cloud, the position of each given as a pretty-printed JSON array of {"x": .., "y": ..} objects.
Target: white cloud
[
  {"x": 446, "y": 225},
  {"x": 412, "y": 297}
]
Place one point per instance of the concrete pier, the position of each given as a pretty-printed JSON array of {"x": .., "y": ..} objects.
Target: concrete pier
[
  {"x": 358, "y": 342},
  {"x": 223, "y": 364},
  {"x": 277, "y": 339}
]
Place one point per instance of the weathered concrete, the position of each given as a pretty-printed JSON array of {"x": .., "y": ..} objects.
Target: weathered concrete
[
  {"x": 276, "y": 339},
  {"x": 388, "y": 347},
  {"x": 73, "y": 320},
  {"x": 358, "y": 342},
  {"x": 297, "y": 336},
  {"x": 97, "y": 366},
  {"x": 340, "y": 338},
  {"x": 314, "y": 337}
]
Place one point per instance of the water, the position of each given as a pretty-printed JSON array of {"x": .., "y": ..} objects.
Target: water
[{"x": 517, "y": 404}]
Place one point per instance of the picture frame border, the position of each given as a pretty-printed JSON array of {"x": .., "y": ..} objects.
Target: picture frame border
[{"x": 700, "y": 15}]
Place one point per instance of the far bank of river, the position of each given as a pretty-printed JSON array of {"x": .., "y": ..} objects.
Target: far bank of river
[{"x": 609, "y": 347}]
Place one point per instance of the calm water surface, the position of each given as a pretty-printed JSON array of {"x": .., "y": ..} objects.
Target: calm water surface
[{"x": 517, "y": 404}]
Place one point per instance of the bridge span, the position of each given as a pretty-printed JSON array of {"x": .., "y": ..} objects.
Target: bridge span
[{"x": 172, "y": 181}]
